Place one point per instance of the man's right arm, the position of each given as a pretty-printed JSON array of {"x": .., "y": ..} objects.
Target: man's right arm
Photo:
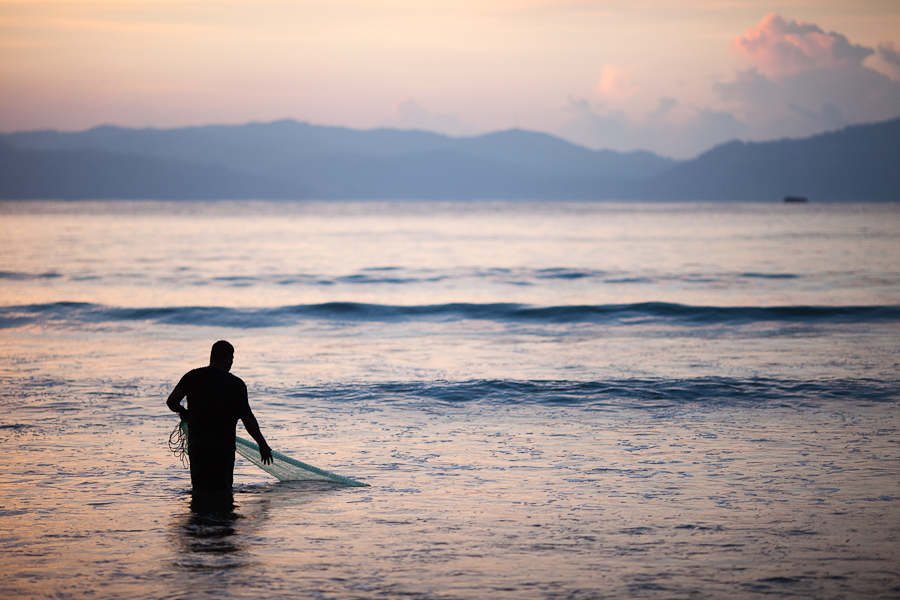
[{"x": 174, "y": 402}]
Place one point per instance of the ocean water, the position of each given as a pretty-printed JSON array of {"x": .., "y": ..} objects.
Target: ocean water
[{"x": 547, "y": 400}]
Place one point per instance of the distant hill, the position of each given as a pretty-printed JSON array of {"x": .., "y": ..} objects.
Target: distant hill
[
  {"x": 94, "y": 174},
  {"x": 291, "y": 160},
  {"x": 861, "y": 162},
  {"x": 287, "y": 159}
]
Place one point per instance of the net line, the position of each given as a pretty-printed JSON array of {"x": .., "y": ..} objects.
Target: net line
[
  {"x": 282, "y": 467},
  {"x": 178, "y": 443}
]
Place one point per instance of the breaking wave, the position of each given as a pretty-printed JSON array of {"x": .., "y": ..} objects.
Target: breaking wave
[
  {"x": 632, "y": 392},
  {"x": 656, "y": 313}
]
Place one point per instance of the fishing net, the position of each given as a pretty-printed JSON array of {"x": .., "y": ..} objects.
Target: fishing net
[
  {"x": 286, "y": 468},
  {"x": 283, "y": 468},
  {"x": 178, "y": 443}
]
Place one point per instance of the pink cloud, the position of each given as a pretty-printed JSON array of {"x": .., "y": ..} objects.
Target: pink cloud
[
  {"x": 616, "y": 82},
  {"x": 804, "y": 81},
  {"x": 800, "y": 81},
  {"x": 779, "y": 48}
]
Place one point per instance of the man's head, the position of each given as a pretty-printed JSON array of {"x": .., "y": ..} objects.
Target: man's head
[{"x": 222, "y": 355}]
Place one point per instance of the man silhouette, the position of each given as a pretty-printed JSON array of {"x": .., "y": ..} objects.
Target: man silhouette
[{"x": 216, "y": 399}]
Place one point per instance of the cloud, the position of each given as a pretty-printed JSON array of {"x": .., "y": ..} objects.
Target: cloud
[
  {"x": 889, "y": 59},
  {"x": 616, "y": 83},
  {"x": 888, "y": 53},
  {"x": 780, "y": 48},
  {"x": 803, "y": 81},
  {"x": 671, "y": 128},
  {"x": 409, "y": 114}
]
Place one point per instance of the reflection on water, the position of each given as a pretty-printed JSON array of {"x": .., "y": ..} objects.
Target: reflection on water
[
  {"x": 207, "y": 534},
  {"x": 217, "y": 531}
]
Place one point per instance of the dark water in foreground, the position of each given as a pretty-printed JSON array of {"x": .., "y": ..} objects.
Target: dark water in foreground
[{"x": 547, "y": 400}]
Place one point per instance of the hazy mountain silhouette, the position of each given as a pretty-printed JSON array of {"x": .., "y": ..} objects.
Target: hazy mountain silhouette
[
  {"x": 861, "y": 162},
  {"x": 93, "y": 174},
  {"x": 287, "y": 159}
]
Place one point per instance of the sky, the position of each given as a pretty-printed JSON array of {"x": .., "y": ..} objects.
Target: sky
[{"x": 672, "y": 77}]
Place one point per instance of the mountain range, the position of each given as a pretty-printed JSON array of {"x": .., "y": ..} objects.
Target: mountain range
[{"x": 293, "y": 160}]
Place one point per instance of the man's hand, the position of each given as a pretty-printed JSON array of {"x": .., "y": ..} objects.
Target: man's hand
[{"x": 266, "y": 454}]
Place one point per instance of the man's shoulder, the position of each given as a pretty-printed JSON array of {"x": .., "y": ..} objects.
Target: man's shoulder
[
  {"x": 209, "y": 375},
  {"x": 231, "y": 378},
  {"x": 198, "y": 372},
  {"x": 192, "y": 374},
  {"x": 234, "y": 379}
]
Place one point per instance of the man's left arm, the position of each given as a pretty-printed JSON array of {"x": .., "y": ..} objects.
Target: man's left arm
[{"x": 252, "y": 427}]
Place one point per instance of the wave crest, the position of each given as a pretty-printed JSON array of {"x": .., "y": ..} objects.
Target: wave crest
[
  {"x": 632, "y": 392},
  {"x": 658, "y": 313}
]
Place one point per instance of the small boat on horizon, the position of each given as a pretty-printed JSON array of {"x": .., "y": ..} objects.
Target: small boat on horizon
[{"x": 795, "y": 199}]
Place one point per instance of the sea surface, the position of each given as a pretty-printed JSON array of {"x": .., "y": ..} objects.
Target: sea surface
[{"x": 547, "y": 400}]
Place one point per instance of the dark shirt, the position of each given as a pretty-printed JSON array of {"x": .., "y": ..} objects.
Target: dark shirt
[{"x": 216, "y": 400}]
